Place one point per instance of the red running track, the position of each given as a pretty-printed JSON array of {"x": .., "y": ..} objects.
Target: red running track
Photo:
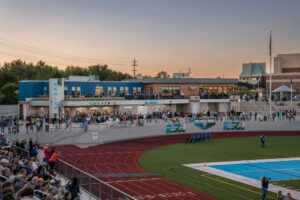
[{"x": 122, "y": 158}]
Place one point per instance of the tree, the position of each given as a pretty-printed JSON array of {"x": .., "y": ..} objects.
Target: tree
[
  {"x": 162, "y": 74},
  {"x": 243, "y": 90},
  {"x": 9, "y": 93},
  {"x": 18, "y": 70},
  {"x": 7, "y": 77}
]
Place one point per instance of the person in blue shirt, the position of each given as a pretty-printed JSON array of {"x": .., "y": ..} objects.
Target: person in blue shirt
[{"x": 262, "y": 141}]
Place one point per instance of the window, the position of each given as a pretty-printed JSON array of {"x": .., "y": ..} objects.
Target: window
[
  {"x": 45, "y": 91},
  {"x": 215, "y": 90},
  {"x": 121, "y": 91},
  {"x": 126, "y": 90},
  {"x": 225, "y": 90},
  {"x": 201, "y": 90},
  {"x": 59, "y": 82},
  {"x": 170, "y": 90},
  {"x": 139, "y": 90},
  {"x": 115, "y": 91},
  {"x": 220, "y": 90},
  {"x": 230, "y": 90},
  {"x": 109, "y": 90},
  {"x": 134, "y": 91},
  {"x": 78, "y": 91},
  {"x": 210, "y": 91},
  {"x": 73, "y": 90},
  {"x": 66, "y": 91},
  {"x": 99, "y": 91}
]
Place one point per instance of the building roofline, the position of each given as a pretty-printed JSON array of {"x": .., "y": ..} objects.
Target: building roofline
[
  {"x": 285, "y": 54},
  {"x": 187, "y": 80}
]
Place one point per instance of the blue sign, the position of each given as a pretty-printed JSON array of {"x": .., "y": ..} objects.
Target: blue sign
[
  {"x": 204, "y": 122},
  {"x": 173, "y": 128},
  {"x": 233, "y": 126},
  {"x": 151, "y": 102}
]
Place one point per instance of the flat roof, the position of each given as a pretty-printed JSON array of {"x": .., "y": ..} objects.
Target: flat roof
[{"x": 186, "y": 80}]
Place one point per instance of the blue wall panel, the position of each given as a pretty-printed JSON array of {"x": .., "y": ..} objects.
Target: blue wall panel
[
  {"x": 32, "y": 89},
  {"x": 89, "y": 87}
]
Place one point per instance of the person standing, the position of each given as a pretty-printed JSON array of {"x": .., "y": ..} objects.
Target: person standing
[
  {"x": 73, "y": 188},
  {"x": 279, "y": 195},
  {"x": 262, "y": 141},
  {"x": 30, "y": 145},
  {"x": 288, "y": 197},
  {"x": 265, "y": 185},
  {"x": 55, "y": 155},
  {"x": 46, "y": 155}
]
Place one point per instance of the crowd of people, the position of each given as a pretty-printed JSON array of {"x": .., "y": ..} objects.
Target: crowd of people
[
  {"x": 24, "y": 177},
  {"x": 12, "y": 124}
]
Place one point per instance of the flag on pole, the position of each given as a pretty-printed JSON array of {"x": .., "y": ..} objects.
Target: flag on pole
[{"x": 270, "y": 46}]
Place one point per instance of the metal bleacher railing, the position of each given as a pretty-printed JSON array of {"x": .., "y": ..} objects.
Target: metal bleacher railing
[{"x": 95, "y": 188}]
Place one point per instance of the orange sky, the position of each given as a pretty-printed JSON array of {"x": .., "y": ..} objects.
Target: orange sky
[{"x": 210, "y": 37}]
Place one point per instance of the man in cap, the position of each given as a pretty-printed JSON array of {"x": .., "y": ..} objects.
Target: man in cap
[{"x": 20, "y": 182}]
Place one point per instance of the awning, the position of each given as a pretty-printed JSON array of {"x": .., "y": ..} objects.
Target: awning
[{"x": 283, "y": 88}]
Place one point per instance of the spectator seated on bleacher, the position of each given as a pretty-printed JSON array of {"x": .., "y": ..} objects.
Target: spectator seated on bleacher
[{"x": 23, "y": 178}]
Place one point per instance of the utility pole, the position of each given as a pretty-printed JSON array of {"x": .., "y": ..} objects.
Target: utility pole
[
  {"x": 134, "y": 64},
  {"x": 190, "y": 70}
]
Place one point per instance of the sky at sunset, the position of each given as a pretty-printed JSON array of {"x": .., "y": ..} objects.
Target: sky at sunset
[{"x": 212, "y": 37}]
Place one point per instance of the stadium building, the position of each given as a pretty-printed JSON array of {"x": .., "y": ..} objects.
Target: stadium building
[
  {"x": 286, "y": 72},
  {"x": 253, "y": 73},
  {"x": 88, "y": 95}
]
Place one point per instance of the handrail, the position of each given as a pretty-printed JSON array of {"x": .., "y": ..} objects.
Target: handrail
[
  {"x": 102, "y": 182},
  {"x": 4, "y": 177}
]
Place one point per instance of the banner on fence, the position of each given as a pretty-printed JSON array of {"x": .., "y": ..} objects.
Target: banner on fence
[
  {"x": 204, "y": 122},
  {"x": 234, "y": 125},
  {"x": 173, "y": 128},
  {"x": 95, "y": 135}
]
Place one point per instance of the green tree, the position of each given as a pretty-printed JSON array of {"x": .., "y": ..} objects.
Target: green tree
[
  {"x": 9, "y": 93},
  {"x": 7, "y": 77},
  {"x": 243, "y": 90},
  {"x": 162, "y": 74},
  {"x": 18, "y": 70}
]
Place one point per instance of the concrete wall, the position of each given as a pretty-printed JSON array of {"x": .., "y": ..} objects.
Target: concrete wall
[
  {"x": 8, "y": 110},
  {"x": 110, "y": 135}
]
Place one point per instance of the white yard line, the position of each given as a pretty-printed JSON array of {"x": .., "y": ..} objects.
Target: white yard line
[{"x": 243, "y": 179}]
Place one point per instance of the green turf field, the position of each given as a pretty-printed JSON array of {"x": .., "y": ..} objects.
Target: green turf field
[{"x": 168, "y": 161}]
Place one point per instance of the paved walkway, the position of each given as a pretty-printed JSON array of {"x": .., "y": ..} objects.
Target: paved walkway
[{"x": 76, "y": 135}]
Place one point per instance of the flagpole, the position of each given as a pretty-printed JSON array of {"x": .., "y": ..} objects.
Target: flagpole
[
  {"x": 270, "y": 95},
  {"x": 291, "y": 91}
]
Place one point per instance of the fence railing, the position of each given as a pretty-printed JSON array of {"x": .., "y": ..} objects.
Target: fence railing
[
  {"x": 95, "y": 188},
  {"x": 20, "y": 151}
]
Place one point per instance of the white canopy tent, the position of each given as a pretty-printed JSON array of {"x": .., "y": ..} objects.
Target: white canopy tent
[{"x": 283, "y": 88}]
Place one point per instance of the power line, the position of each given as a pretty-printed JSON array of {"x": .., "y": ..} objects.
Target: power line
[
  {"x": 43, "y": 42},
  {"x": 48, "y": 53}
]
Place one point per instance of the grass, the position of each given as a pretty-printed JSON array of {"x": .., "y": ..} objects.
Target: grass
[{"x": 169, "y": 163}]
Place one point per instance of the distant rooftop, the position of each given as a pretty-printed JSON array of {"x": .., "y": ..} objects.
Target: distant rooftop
[
  {"x": 181, "y": 75},
  {"x": 186, "y": 80},
  {"x": 254, "y": 69},
  {"x": 84, "y": 78}
]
